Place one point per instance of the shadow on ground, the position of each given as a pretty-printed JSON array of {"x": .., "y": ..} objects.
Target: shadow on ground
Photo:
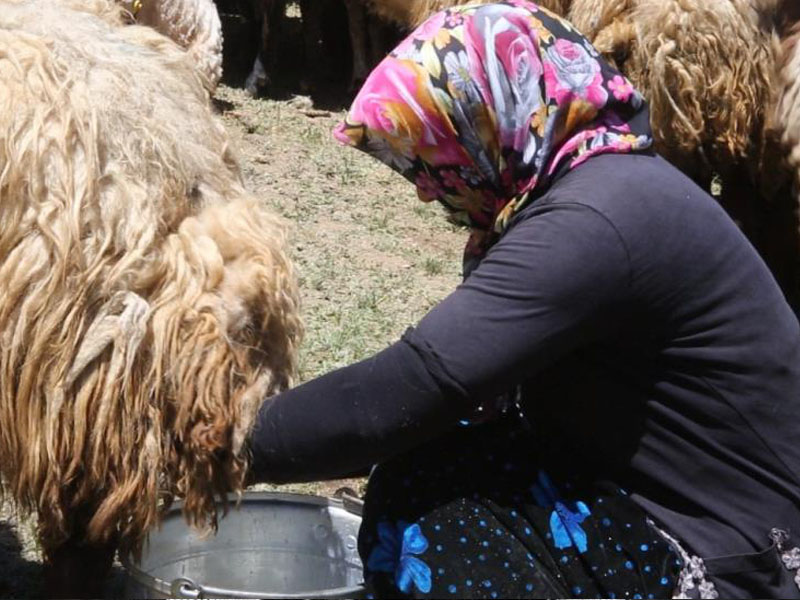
[{"x": 19, "y": 577}]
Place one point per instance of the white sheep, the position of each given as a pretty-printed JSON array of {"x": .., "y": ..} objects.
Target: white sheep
[{"x": 193, "y": 24}]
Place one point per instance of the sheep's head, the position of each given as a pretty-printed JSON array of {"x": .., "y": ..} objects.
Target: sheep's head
[{"x": 224, "y": 329}]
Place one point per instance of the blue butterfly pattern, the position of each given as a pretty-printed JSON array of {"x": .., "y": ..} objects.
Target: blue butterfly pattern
[
  {"x": 397, "y": 553},
  {"x": 564, "y": 520}
]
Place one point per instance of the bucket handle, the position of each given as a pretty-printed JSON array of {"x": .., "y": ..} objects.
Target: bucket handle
[
  {"x": 183, "y": 587},
  {"x": 350, "y": 500}
]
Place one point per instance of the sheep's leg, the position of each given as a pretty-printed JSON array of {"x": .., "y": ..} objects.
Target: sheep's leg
[
  {"x": 258, "y": 79},
  {"x": 381, "y": 39},
  {"x": 312, "y": 11},
  {"x": 357, "y": 25},
  {"x": 771, "y": 224},
  {"x": 78, "y": 570},
  {"x": 270, "y": 13},
  {"x": 779, "y": 242}
]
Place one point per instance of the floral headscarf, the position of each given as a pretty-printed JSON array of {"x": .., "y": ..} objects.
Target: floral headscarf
[{"x": 483, "y": 106}]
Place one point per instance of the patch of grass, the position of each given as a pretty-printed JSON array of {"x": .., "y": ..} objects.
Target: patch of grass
[
  {"x": 422, "y": 210},
  {"x": 311, "y": 134},
  {"x": 378, "y": 223},
  {"x": 433, "y": 266},
  {"x": 347, "y": 174},
  {"x": 373, "y": 259}
]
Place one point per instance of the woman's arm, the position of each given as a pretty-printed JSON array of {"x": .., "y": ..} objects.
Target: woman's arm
[
  {"x": 555, "y": 282},
  {"x": 352, "y": 418}
]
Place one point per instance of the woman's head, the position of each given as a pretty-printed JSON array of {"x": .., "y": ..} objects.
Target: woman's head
[{"x": 482, "y": 106}]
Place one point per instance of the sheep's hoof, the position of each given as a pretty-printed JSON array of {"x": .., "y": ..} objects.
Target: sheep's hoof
[
  {"x": 257, "y": 81},
  {"x": 307, "y": 86},
  {"x": 255, "y": 86}
]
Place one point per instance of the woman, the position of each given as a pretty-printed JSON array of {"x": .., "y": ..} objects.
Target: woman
[{"x": 608, "y": 405}]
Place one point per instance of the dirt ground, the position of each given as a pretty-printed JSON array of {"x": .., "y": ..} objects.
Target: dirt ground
[{"x": 371, "y": 259}]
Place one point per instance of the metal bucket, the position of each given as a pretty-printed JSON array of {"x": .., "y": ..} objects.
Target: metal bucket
[{"x": 271, "y": 546}]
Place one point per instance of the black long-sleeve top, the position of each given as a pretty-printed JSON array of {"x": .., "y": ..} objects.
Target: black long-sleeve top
[{"x": 651, "y": 342}]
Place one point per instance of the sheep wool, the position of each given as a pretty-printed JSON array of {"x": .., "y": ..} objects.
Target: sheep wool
[
  {"x": 193, "y": 24},
  {"x": 789, "y": 108},
  {"x": 147, "y": 303},
  {"x": 690, "y": 54}
]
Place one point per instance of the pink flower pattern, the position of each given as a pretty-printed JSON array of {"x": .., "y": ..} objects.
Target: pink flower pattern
[
  {"x": 454, "y": 19},
  {"x": 570, "y": 73},
  {"x": 621, "y": 88}
]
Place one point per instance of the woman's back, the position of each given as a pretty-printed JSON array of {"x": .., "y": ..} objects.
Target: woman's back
[{"x": 691, "y": 396}]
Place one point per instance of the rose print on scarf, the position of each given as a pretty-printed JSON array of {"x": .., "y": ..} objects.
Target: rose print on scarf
[
  {"x": 457, "y": 67},
  {"x": 425, "y": 32},
  {"x": 570, "y": 72},
  {"x": 392, "y": 155},
  {"x": 397, "y": 553}
]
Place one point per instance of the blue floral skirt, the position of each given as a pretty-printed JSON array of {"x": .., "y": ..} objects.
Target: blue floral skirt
[{"x": 474, "y": 515}]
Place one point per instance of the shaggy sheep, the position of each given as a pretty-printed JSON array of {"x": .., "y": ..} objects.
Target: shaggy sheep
[
  {"x": 686, "y": 55},
  {"x": 147, "y": 305},
  {"x": 193, "y": 24}
]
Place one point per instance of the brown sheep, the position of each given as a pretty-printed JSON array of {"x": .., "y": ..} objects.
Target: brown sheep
[
  {"x": 685, "y": 55},
  {"x": 147, "y": 304}
]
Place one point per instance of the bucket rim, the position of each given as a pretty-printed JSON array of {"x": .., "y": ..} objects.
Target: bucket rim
[{"x": 186, "y": 588}]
